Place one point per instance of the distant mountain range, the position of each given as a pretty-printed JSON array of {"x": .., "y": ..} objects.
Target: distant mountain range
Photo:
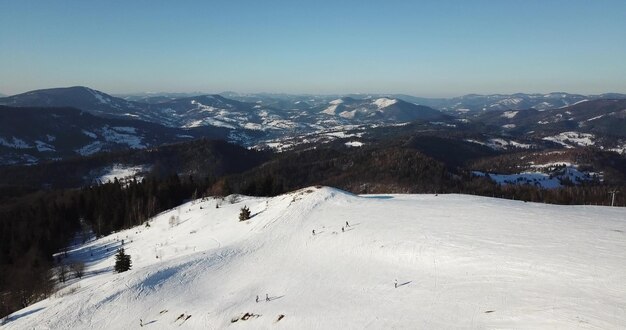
[
  {"x": 248, "y": 119},
  {"x": 62, "y": 122},
  {"x": 461, "y": 104},
  {"x": 597, "y": 117},
  {"x": 29, "y": 135}
]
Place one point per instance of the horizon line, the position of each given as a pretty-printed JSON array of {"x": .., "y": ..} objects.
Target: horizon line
[{"x": 198, "y": 93}]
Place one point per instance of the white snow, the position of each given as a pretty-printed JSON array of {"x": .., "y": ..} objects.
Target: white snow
[
  {"x": 520, "y": 145},
  {"x": 123, "y": 135},
  {"x": 354, "y": 144},
  {"x": 335, "y": 102},
  {"x": 90, "y": 134},
  {"x": 571, "y": 139},
  {"x": 384, "y": 102},
  {"x": 594, "y": 118},
  {"x": 193, "y": 123},
  {"x": 579, "y": 102},
  {"x": 331, "y": 110},
  {"x": 130, "y": 130},
  {"x": 121, "y": 172},
  {"x": 527, "y": 178},
  {"x": 343, "y": 134},
  {"x": 501, "y": 144},
  {"x": 441, "y": 123},
  {"x": 205, "y": 108},
  {"x": 348, "y": 114},
  {"x": 208, "y": 121},
  {"x": 43, "y": 146},
  {"x": 460, "y": 262},
  {"x": 543, "y": 106},
  {"x": 278, "y": 146},
  {"x": 99, "y": 96},
  {"x": 509, "y": 126},
  {"x": 511, "y": 101},
  {"x": 15, "y": 143},
  {"x": 90, "y": 148},
  {"x": 553, "y": 164},
  {"x": 509, "y": 114},
  {"x": 253, "y": 126},
  {"x": 554, "y": 177}
]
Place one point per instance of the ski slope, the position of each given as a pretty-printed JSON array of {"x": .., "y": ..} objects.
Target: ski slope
[{"x": 461, "y": 262}]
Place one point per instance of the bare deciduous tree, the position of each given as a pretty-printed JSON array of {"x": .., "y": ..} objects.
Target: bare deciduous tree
[
  {"x": 62, "y": 272},
  {"x": 78, "y": 269}
]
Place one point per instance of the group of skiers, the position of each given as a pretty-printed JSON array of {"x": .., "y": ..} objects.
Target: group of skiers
[
  {"x": 343, "y": 229},
  {"x": 267, "y": 297}
]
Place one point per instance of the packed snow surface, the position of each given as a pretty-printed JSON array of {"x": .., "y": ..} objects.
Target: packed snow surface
[{"x": 458, "y": 261}]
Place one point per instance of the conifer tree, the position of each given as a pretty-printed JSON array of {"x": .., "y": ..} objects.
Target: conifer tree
[
  {"x": 122, "y": 261},
  {"x": 244, "y": 214}
]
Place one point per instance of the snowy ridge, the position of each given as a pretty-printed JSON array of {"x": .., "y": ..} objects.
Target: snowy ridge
[
  {"x": 458, "y": 261},
  {"x": 384, "y": 102}
]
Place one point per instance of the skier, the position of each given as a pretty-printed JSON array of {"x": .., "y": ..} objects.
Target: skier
[
  {"x": 141, "y": 323},
  {"x": 347, "y": 224},
  {"x": 313, "y": 232},
  {"x": 343, "y": 230},
  {"x": 267, "y": 298},
  {"x": 395, "y": 283},
  {"x": 257, "y": 298}
]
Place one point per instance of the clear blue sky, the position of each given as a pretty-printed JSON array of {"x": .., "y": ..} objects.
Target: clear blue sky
[{"x": 434, "y": 48}]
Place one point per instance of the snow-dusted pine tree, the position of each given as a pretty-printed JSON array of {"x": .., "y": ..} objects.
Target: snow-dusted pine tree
[{"x": 244, "y": 214}]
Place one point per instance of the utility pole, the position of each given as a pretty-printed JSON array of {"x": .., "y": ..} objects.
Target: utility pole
[{"x": 613, "y": 193}]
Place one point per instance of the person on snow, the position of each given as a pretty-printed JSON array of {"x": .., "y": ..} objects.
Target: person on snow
[
  {"x": 257, "y": 298},
  {"x": 267, "y": 297},
  {"x": 313, "y": 232},
  {"x": 347, "y": 224},
  {"x": 395, "y": 283},
  {"x": 343, "y": 230}
]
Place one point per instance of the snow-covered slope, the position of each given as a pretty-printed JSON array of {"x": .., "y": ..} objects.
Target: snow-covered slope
[
  {"x": 459, "y": 261},
  {"x": 384, "y": 108}
]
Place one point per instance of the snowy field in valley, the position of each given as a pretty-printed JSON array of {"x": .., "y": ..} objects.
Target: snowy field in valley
[
  {"x": 121, "y": 172},
  {"x": 459, "y": 261}
]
